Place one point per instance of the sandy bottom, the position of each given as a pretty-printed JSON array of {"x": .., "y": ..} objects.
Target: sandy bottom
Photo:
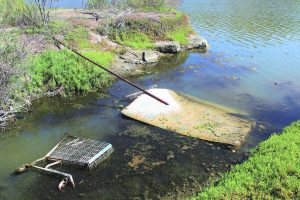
[{"x": 190, "y": 117}]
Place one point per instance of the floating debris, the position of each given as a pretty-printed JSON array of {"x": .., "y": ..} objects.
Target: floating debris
[{"x": 191, "y": 117}]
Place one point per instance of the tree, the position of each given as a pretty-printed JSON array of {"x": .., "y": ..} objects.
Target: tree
[{"x": 42, "y": 6}]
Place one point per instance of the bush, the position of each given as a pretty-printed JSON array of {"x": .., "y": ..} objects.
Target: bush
[
  {"x": 271, "y": 172},
  {"x": 12, "y": 60},
  {"x": 11, "y": 11},
  {"x": 17, "y": 12},
  {"x": 98, "y": 4},
  {"x": 53, "y": 69}
]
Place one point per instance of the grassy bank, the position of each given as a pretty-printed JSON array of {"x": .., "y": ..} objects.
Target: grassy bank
[
  {"x": 271, "y": 172},
  {"x": 141, "y": 30}
]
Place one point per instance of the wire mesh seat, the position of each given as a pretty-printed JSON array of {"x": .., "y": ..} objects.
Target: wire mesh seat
[{"x": 80, "y": 152}]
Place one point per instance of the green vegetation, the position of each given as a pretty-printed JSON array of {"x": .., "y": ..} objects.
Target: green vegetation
[
  {"x": 104, "y": 58},
  {"x": 140, "y": 30},
  {"x": 180, "y": 35},
  {"x": 134, "y": 39},
  {"x": 53, "y": 69},
  {"x": 96, "y": 4},
  {"x": 78, "y": 37},
  {"x": 271, "y": 172},
  {"x": 9, "y": 63},
  {"x": 139, "y": 5},
  {"x": 146, "y": 5},
  {"x": 11, "y": 11}
]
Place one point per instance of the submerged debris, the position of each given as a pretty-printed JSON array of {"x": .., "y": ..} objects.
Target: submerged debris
[
  {"x": 190, "y": 117},
  {"x": 136, "y": 161}
]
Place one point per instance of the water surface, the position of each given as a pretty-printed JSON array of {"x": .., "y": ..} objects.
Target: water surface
[{"x": 252, "y": 66}]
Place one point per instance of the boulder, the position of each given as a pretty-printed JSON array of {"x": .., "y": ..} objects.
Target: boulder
[
  {"x": 134, "y": 57},
  {"x": 197, "y": 42},
  {"x": 150, "y": 56},
  {"x": 168, "y": 47}
]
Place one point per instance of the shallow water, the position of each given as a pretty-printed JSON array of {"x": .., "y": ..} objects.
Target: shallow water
[{"x": 252, "y": 66}]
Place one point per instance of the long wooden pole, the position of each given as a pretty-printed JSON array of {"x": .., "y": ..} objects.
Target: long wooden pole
[{"x": 107, "y": 70}]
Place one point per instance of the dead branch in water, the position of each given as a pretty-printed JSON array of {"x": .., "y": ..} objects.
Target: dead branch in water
[{"x": 8, "y": 115}]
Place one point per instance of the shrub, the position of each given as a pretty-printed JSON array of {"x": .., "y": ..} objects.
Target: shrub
[
  {"x": 11, "y": 11},
  {"x": 12, "y": 64},
  {"x": 97, "y": 4},
  {"x": 53, "y": 69}
]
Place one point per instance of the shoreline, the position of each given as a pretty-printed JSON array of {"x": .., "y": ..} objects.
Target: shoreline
[{"x": 125, "y": 56}]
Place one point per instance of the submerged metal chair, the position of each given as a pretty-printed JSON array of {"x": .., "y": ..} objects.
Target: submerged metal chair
[{"x": 71, "y": 151}]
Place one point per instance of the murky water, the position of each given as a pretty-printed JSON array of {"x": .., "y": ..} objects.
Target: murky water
[{"x": 253, "y": 66}]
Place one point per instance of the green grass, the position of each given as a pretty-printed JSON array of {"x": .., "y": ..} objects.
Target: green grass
[
  {"x": 271, "y": 172},
  {"x": 79, "y": 38},
  {"x": 53, "y": 69},
  {"x": 104, "y": 58},
  {"x": 134, "y": 39},
  {"x": 180, "y": 35}
]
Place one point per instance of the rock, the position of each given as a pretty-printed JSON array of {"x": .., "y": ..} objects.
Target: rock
[
  {"x": 132, "y": 57},
  {"x": 150, "y": 56},
  {"x": 197, "y": 42},
  {"x": 168, "y": 47},
  {"x": 139, "y": 72},
  {"x": 135, "y": 57}
]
